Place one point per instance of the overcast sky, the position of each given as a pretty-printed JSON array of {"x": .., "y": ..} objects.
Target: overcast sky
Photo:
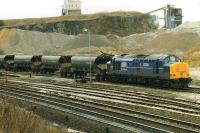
[{"x": 12, "y": 9}]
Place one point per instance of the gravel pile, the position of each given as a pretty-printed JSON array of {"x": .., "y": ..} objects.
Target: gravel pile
[
  {"x": 17, "y": 41},
  {"x": 177, "y": 41},
  {"x": 189, "y": 25},
  {"x": 80, "y": 44},
  {"x": 28, "y": 42}
]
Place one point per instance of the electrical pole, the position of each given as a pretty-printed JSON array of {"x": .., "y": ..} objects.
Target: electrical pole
[{"x": 89, "y": 46}]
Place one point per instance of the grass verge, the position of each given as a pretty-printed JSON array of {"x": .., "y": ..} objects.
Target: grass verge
[{"x": 16, "y": 120}]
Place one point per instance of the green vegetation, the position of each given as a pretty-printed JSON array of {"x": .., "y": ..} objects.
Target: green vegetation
[
  {"x": 16, "y": 120},
  {"x": 1, "y": 23},
  {"x": 67, "y": 18},
  {"x": 118, "y": 23}
]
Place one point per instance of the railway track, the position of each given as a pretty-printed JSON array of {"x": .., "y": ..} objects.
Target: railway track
[
  {"x": 129, "y": 96},
  {"x": 31, "y": 89},
  {"x": 194, "y": 89},
  {"x": 58, "y": 102},
  {"x": 191, "y": 88}
]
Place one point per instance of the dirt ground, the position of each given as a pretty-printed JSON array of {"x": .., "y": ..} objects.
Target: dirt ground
[
  {"x": 195, "y": 73},
  {"x": 189, "y": 96}
]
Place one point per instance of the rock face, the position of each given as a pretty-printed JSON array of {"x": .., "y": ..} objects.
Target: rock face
[{"x": 121, "y": 24}]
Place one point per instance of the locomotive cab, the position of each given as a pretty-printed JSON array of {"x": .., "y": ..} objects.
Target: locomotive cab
[
  {"x": 177, "y": 72},
  {"x": 167, "y": 61}
]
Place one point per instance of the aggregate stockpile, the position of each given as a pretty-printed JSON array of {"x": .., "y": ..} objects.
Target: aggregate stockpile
[
  {"x": 27, "y": 42},
  {"x": 183, "y": 41},
  {"x": 177, "y": 41},
  {"x": 15, "y": 41}
]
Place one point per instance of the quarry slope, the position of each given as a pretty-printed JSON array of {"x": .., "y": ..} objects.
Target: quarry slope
[{"x": 182, "y": 41}]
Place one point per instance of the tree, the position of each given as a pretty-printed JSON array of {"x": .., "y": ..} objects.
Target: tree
[{"x": 1, "y": 23}]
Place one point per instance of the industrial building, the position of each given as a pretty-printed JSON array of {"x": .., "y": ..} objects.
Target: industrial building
[
  {"x": 172, "y": 16},
  {"x": 71, "y": 7}
]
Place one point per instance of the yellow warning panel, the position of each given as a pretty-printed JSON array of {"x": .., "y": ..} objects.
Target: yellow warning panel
[{"x": 179, "y": 70}]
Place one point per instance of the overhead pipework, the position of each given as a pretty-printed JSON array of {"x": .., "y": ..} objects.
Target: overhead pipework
[{"x": 172, "y": 16}]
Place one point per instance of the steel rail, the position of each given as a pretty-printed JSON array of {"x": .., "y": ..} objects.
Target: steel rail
[
  {"x": 109, "y": 118},
  {"x": 30, "y": 90},
  {"x": 178, "y": 121},
  {"x": 42, "y": 103},
  {"x": 114, "y": 97},
  {"x": 128, "y": 92},
  {"x": 172, "y": 127}
]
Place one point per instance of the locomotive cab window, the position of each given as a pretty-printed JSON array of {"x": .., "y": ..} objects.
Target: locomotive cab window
[
  {"x": 172, "y": 59},
  {"x": 178, "y": 59},
  {"x": 167, "y": 60}
]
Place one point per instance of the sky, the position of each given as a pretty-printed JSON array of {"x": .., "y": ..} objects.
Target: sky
[{"x": 14, "y": 9}]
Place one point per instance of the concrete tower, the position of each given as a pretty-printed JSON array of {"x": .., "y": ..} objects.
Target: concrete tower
[{"x": 71, "y": 7}]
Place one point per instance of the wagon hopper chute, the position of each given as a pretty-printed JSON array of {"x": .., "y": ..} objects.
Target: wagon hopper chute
[
  {"x": 9, "y": 62},
  {"x": 2, "y": 61}
]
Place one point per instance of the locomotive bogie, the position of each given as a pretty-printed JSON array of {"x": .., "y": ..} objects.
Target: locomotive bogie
[{"x": 2, "y": 61}]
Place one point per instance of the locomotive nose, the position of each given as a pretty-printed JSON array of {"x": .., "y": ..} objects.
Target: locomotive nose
[{"x": 179, "y": 70}]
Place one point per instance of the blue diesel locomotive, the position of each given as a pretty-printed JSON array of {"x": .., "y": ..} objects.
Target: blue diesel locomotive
[{"x": 157, "y": 70}]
